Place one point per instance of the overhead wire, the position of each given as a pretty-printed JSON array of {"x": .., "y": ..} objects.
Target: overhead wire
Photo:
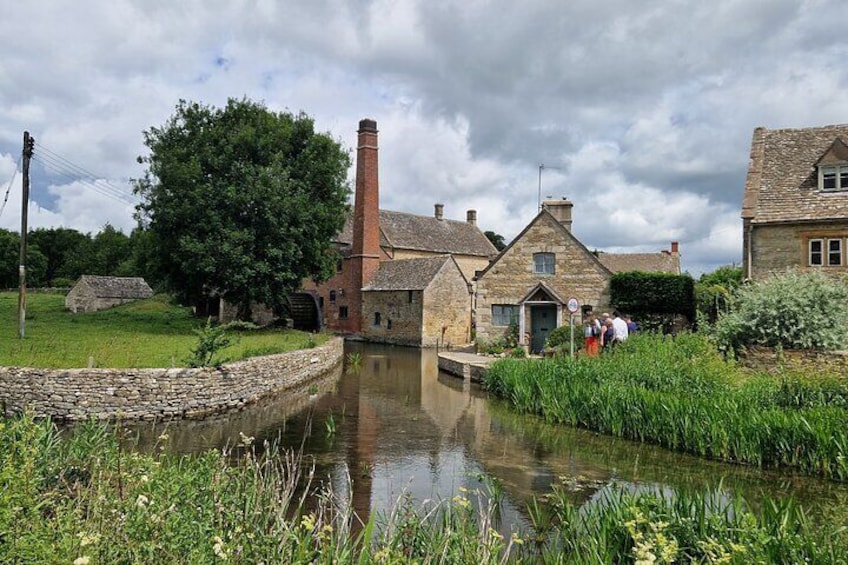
[{"x": 11, "y": 180}]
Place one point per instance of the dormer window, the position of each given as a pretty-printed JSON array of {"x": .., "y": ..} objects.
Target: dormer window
[{"x": 833, "y": 168}]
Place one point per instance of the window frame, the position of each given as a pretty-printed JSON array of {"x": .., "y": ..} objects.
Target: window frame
[
  {"x": 838, "y": 174},
  {"x": 509, "y": 312},
  {"x": 544, "y": 259},
  {"x": 343, "y": 313},
  {"x": 830, "y": 252}
]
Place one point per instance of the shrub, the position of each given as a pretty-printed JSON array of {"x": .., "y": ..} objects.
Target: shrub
[{"x": 791, "y": 311}]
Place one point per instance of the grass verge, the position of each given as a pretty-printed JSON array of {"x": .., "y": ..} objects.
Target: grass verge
[
  {"x": 682, "y": 395},
  {"x": 148, "y": 333}
]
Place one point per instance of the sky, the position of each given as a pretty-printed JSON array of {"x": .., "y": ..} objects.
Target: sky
[{"x": 642, "y": 113}]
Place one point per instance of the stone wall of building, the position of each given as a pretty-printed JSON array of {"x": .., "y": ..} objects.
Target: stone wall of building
[
  {"x": 107, "y": 394},
  {"x": 468, "y": 264},
  {"x": 511, "y": 278},
  {"x": 447, "y": 310},
  {"x": 400, "y": 316},
  {"x": 776, "y": 248},
  {"x": 769, "y": 359}
]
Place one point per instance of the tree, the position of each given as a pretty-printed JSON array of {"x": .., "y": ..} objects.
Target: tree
[
  {"x": 713, "y": 291},
  {"x": 496, "y": 239},
  {"x": 10, "y": 259},
  {"x": 64, "y": 249},
  {"x": 110, "y": 249},
  {"x": 241, "y": 202}
]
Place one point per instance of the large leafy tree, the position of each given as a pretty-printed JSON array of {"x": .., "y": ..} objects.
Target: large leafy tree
[
  {"x": 241, "y": 202},
  {"x": 65, "y": 250}
]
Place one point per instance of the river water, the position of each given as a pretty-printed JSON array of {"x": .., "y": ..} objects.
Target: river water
[{"x": 394, "y": 425}]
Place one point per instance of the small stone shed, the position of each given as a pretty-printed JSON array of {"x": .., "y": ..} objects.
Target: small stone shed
[{"x": 94, "y": 292}]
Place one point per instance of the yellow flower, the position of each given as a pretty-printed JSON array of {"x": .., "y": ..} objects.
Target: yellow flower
[
  {"x": 308, "y": 522},
  {"x": 84, "y": 560}
]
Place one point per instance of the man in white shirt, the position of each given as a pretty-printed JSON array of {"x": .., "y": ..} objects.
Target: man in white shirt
[{"x": 619, "y": 326}]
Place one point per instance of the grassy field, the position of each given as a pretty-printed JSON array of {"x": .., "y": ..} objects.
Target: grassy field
[{"x": 148, "y": 333}]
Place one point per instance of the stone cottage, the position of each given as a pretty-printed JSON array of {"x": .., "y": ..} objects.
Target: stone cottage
[
  {"x": 94, "y": 292},
  {"x": 373, "y": 238},
  {"x": 530, "y": 283},
  {"x": 423, "y": 301},
  {"x": 795, "y": 208}
]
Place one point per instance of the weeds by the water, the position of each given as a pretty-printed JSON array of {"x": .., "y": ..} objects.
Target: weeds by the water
[
  {"x": 682, "y": 395},
  {"x": 84, "y": 500}
]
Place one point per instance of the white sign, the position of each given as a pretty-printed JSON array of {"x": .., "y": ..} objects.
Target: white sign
[{"x": 573, "y": 305}]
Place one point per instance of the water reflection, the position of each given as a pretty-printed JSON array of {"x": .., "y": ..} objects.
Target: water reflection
[{"x": 396, "y": 425}]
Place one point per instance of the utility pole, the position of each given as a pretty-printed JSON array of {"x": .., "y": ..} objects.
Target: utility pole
[
  {"x": 29, "y": 144},
  {"x": 543, "y": 166}
]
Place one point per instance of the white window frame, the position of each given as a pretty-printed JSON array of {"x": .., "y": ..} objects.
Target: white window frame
[
  {"x": 501, "y": 312},
  {"x": 820, "y": 252},
  {"x": 831, "y": 252},
  {"x": 839, "y": 174},
  {"x": 542, "y": 262}
]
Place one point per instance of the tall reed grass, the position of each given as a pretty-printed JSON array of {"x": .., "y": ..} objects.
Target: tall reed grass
[
  {"x": 84, "y": 500},
  {"x": 681, "y": 394}
]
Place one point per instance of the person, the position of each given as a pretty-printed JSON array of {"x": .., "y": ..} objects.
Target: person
[
  {"x": 631, "y": 325},
  {"x": 592, "y": 336},
  {"x": 608, "y": 337},
  {"x": 619, "y": 327}
]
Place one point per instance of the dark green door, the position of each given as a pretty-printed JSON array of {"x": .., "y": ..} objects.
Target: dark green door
[{"x": 542, "y": 323}]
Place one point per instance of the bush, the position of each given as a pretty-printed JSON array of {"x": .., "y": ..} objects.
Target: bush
[{"x": 791, "y": 311}]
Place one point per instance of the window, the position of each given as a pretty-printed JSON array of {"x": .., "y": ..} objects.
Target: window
[
  {"x": 543, "y": 263},
  {"x": 339, "y": 265},
  {"x": 342, "y": 312},
  {"x": 834, "y": 252},
  {"x": 816, "y": 252},
  {"x": 377, "y": 318},
  {"x": 504, "y": 314},
  {"x": 389, "y": 324},
  {"x": 833, "y": 177},
  {"x": 409, "y": 296},
  {"x": 320, "y": 301},
  {"x": 332, "y": 296}
]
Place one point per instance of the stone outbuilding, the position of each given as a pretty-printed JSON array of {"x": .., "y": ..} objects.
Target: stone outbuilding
[
  {"x": 94, "y": 292},
  {"x": 423, "y": 302},
  {"x": 795, "y": 209}
]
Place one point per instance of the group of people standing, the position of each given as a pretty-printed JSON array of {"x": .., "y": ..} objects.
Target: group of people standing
[{"x": 603, "y": 333}]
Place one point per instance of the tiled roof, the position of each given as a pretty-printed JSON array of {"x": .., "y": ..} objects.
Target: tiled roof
[
  {"x": 407, "y": 274},
  {"x": 426, "y": 233},
  {"x": 646, "y": 262},
  {"x": 117, "y": 287},
  {"x": 782, "y": 182}
]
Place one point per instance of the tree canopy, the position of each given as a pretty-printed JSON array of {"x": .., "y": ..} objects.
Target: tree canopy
[
  {"x": 241, "y": 202},
  {"x": 496, "y": 239}
]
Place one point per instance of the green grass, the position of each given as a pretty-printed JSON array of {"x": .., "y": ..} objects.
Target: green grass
[
  {"x": 680, "y": 394},
  {"x": 148, "y": 333},
  {"x": 82, "y": 499}
]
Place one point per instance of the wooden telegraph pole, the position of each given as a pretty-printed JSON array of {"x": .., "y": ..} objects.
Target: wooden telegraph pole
[{"x": 29, "y": 144}]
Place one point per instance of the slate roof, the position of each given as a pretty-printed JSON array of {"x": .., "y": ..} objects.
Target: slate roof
[
  {"x": 408, "y": 274},
  {"x": 782, "y": 182},
  {"x": 426, "y": 233},
  {"x": 661, "y": 262},
  {"x": 116, "y": 287}
]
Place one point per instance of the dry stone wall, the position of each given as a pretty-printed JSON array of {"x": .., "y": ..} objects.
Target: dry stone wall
[{"x": 149, "y": 394}]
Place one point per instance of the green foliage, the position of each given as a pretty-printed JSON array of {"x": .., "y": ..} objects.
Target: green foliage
[
  {"x": 713, "y": 291},
  {"x": 647, "y": 294},
  {"x": 80, "y": 497},
  {"x": 791, "y": 311},
  {"x": 496, "y": 239},
  {"x": 681, "y": 394},
  {"x": 241, "y": 202},
  {"x": 147, "y": 333},
  {"x": 211, "y": 340}
]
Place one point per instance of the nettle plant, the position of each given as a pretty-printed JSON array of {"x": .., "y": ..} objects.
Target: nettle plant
[{"x": 790, "y": 311}]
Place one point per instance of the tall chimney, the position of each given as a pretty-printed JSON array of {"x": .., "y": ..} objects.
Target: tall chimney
[
  {"x": 471, "y": 217},
  {"x": 675, "y": 248},
  {"x": 560, "y": 210},
  {"x": 440, "y": 211}
]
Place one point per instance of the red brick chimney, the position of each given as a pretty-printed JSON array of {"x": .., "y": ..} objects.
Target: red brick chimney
[
  {"x": 675, "y": 247},
  {"x": 365, "y": 259}
]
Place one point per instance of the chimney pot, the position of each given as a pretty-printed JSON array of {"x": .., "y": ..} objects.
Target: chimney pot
[
  {"x": 471, "y": 217},
  {"x": 675, "y": 247},
  {"x": 440, "y": 211},
  {"x": 561, "y": 210}
]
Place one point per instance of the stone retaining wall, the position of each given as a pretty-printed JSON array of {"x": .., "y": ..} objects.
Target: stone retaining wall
[
  {"x": 148, "y": 394},
  {"x": 768, "y": 359}
]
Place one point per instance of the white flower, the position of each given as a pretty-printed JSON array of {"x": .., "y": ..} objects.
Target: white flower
[
  {"x": 84, "y": 560},
  {"x": 142, "y": 501}
]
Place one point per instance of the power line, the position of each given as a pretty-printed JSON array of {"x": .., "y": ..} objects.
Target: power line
[{"x": 9, "y": 188}]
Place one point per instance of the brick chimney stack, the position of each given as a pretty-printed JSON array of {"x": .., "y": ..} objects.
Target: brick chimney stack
[
  {"x": 471, "y": 217},
  {"x": 440, "y": 211},
  {"x": 561, "y": 210},
  {"x": 675, "y": 247},
  {"x": 365, "y": 259}
]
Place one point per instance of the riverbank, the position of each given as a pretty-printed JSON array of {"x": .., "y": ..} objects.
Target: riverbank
[
  {"x": 682, "y": 395},
  {"x": 156, "y": 394}
]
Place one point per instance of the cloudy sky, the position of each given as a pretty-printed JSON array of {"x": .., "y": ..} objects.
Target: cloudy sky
[{"x": 641, "y": 112}]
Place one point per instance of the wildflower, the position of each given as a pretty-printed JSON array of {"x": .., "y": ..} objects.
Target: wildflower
[
  {"x": 245, "y": 440},
  {"x": 142, "y": 501},
  {"x": 308, "y": 522},
  {"x": 163, "y": 437},
  {"x": 218, "y": 548},
  {"x": 495, "y": 534},
  {"x": 83, "y": 560},
  {"x": 88, "y": 539},
  {"x": 144, "y": 479},
  {"x": 516, "y": 540}
]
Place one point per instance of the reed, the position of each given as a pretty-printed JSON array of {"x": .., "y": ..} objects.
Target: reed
[
  {"x": 82, "y": 499},
  {"x": 681, "y": 394}
]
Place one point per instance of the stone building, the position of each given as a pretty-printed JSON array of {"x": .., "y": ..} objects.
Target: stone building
[
  {"x": 530, "y": 283},
  {"x": 373, "y": 238},
  {"x": 795, "y": 208},
  {"x": 423, "y": 301},
  {"x": 94, "y": 292}
]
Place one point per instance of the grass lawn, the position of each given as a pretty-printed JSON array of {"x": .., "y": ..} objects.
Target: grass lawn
[{"x": 148, "y": 333}]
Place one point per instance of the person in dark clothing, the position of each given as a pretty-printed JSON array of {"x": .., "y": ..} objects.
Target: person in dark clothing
[
  {"x": 608, "y": 335},
  {"x": 631, "y": 325}
]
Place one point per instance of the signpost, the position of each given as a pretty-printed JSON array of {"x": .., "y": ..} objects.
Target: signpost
[{"x": 573, "y": 306}]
